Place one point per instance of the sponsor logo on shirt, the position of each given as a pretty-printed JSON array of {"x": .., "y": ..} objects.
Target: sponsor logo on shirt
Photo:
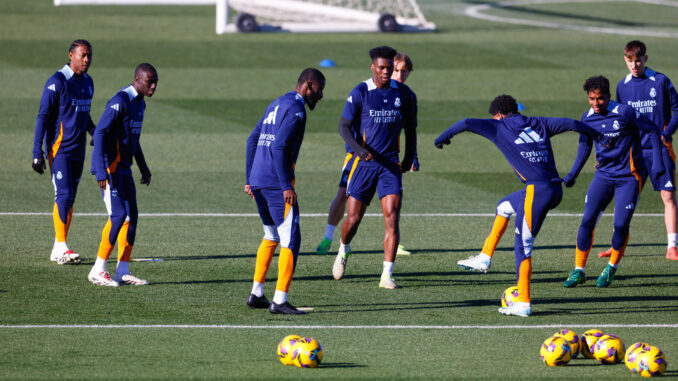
[
  {"x": 384, "y": 116},
  {"x": 265, "y": 140},
  {"x": 135, "y": 125},
  {"x": 644, "y": 107},
  {"x": 81, "y": 105},
  {"x": 540, "y": 156}
]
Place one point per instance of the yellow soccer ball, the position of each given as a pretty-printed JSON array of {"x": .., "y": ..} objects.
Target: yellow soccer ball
[
  {"x": 588, "y": 339},
  {"x": 631, "y": 355},
  {"x": 555, "y": 351},
  {"x": 307, "y": 353},
  {"x": 285, "y": 349},
  {"x": 572, "y": 338},
  {"x": 509, "y": 296},
  {"x": 609, "y": 349},
  {"x": 651, "y": 363}
]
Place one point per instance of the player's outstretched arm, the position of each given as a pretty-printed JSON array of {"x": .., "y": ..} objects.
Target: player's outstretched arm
[{"x": 583, "y": 153}]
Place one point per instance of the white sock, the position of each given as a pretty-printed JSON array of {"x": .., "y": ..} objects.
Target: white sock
[
  {"x": 123, "y": 268},
  {"x": 344, "y": 248},
  {"x": 329, "y": 231},
  {"x": 60, "y": 247},
  {"x": 672, "y": 240},
  {"x": 615, "y": 266},
  {"x": 387, "y": 270},
  {"x": 581, "y": 268},
  {"x": 258, "y": 289},
  {"x": 99, "y": 265},
  {"x": 279, "y": 297}
]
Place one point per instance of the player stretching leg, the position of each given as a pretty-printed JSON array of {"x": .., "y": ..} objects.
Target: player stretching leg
[
  {"x": 619, "y": 174},
  {"x": 652, "y": 94},
  {"x": 62, "y": 123},
  {"x": 525, "y": 142},
  {"x": 402, "y": 68},
  {"x": 116, "y": 142},
  {"x": 376, "y": 111},
  {"x": 272, "y": 151}
]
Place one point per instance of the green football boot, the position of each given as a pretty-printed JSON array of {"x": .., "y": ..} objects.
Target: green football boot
[
  {"x": 606, "y": 276},
  {"x": 576, "y": 277},
  {"x": 324, "y": 247}
]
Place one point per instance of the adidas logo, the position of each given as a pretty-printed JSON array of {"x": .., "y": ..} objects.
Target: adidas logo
[
  {"x": 270, "y": 119},
  {"x": 300, "y": 115},
  {"x": 528, "y": 136},
  {"x": 629, "y": 207},
  {"x": 116, "y": 107},
  {"x": 668, "y": 184},
  {"x": 350, "y": 99},
  {"x": 52, "y": 87}
]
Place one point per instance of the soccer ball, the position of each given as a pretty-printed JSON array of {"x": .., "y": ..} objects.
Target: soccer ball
[
  {"x": 555, "y": 351},
  {"x": 307, "y": 353},
  {"x": 571, "y": 338},
  {"x": 609, "y": 349},
  {"x": 509, "y": 296},
  {"x": 285, "y": 349},
  {"x": 588, "y": 339},
  {"x": 651, "y": 363},
  {"x": 632, "y": 353}
]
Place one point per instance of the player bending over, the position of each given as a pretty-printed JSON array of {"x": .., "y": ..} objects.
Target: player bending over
[
  {"x": 116, "y": 142},
  {"x": 525, "y": 142},
  {"x": 619, "y": 174},
  {"x": 272, "y": 151}
]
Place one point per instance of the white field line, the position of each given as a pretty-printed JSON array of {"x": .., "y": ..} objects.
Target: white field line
[
  {"x": 475, "y": 11},
  {"x": 312, "y": 214},
  {"x": 235, "y": 326}
]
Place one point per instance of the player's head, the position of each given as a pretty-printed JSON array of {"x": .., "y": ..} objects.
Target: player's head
[
  {"x": 598, "y": 90},
  {"x": 635, "y": 56},
  {"x": 310, "y": 86},
  {"x": 402, "y": 67},
  {"x": 503, "y": 106},
  {"x": 382, "y": 65},
  {"x": 80, "y": 56},
  {"x": 145, "y": 79}
]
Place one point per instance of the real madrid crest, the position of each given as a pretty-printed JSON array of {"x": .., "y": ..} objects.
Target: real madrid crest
[
  {"x": 397, "y": 102},
  {"x": 653, "y": 92},
  {"x": 615, "y": 125}
]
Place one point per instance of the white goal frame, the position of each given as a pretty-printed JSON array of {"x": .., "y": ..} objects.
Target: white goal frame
[{"x": 326, "y": 18}]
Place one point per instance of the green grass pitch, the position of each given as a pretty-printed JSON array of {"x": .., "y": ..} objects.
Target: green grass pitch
[{"x": 212, "y": 90}]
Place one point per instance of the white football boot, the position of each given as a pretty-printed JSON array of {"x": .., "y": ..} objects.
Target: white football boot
[
  {"x": 129, "y": 279},
  {"x": 387, "y": 283},
  {"x": 339, "y": 267},
  {"x": 480, "y": 262},
  {"x": 521, "y": 309},
  {"x": 102, "y": 279}
]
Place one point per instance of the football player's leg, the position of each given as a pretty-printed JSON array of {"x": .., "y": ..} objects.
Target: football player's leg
[
  {"x": 290, "y": 241},
  {"x": 598, "y": 196},
  {"x": 265, "y": 252},
  {"x": 505, "y": 210},
  {"x": 117, "y": 214},
  {"x": 65, "y": 186},
  {"x": 668, "y": 194},
  {"x": 338, "y": 205},
  {"x": 625, "y": 203},
  {"x": 127, "y": 236},
  {"x": 390, "y": 192}
]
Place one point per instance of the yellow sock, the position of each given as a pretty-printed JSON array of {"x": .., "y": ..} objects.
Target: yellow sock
[
  {"x": 264, "y": 256},
  {"x": 60, "y": 228},
  {"x": 524, "y": 279},
  {"x": 124, "y": 248},
  {"x": 285, "y": 270},
  {"x": 105, "y": 247},
  {"x": 498, "y": 229},
  {"x": 580, "y": 257},
  {"x": 617, "y": 255}
]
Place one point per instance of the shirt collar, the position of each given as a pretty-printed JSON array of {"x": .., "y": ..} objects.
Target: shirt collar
[
  {"x": 299, "y": 98},
  {"x": 131, "y": 92}
]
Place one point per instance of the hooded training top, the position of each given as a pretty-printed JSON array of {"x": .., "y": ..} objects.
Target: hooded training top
[
  {"x": 274, "y": 144},
  {"x": 654, "y": 96},
  {"x": 63, "y": 118},
  {"x": 524, "y": 141},
  {"x": 116, "y": 138}
]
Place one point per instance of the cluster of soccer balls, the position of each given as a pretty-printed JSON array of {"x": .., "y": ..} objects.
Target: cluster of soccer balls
[
  {"x": 640, "y": 358},
  {"x": 304, "y": 352}
]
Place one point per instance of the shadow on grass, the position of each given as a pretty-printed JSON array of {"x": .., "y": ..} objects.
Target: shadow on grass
[{"x": 341, "y": 365}]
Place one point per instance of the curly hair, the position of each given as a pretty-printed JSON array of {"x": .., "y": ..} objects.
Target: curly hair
[
  {"x": 597, "y": 83},
  {"x": 504, "y": 104}
]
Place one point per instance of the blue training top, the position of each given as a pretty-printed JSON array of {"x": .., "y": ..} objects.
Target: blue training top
[
  {"x": 116, "y": 138},
  {"x": 654, "y": 96},
  {"x": 63, "y": 118},
  {"x": 524, "y": 141},
  {"x": 274, "y": 144}
]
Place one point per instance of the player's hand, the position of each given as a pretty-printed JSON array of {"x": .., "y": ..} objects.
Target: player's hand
[
  {"x": 102, "y": 184},
  {"x": 568, "y": 180},
  {"x": 440, "y": 143},
  {"x": 415, "y": 164},
  {"x": 146, "y": 179},
  {"x": 39, "y": 165},
  {"x": 248, "y": 190},
  {"x": 290, "y": 196}
]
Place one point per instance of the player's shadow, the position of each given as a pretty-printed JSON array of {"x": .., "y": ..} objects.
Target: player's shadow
[
  {"x": 390, "y": 307},
  {"x": 341, "y": 365},
  {"x": 208, "y": 257}
]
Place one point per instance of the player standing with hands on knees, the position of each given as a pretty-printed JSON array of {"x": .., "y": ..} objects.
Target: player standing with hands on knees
[
  {"x": 116, "y": 143},
  {"x": 619, "y": 174},
  {"x": 62, "y": 124},
  {"x": 526, "y": 144},
  {"x": 272, "y": 152},
  {"x": 375, "y": 113}
]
